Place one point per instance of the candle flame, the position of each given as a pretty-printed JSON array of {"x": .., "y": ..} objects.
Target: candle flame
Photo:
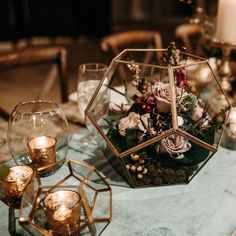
[{"x": 62, "y": 213}]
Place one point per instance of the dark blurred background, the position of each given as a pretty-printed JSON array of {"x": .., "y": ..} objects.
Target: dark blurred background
[
  {"x": 79, "y": 25},
  {"x": 29, "y": 18}
]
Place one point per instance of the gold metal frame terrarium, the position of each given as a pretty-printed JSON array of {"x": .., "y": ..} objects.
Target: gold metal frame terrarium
[
  {"x": 165, "y": 118},
  {"x": 73, "y": 177}
]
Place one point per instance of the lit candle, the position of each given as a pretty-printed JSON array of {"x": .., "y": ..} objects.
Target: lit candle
[
  {"x": 63, "y": 212},
  {"x": 225, "y": 25},
  {"x": 15, "y": 183},
  {"x": 42, "y": 150}
]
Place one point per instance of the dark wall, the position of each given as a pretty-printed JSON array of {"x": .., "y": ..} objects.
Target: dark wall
[
  {"x": 27, "y": 18},
  {"x": 93, "y": 18}
]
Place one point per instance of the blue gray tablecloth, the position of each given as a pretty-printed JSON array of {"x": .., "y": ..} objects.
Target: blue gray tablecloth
[{"x": 204, "y": 207}]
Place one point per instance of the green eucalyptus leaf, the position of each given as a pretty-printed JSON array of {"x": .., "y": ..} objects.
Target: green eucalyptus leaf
[
  {"x": 131, "y": 137},
  {"x": 185, "y": 160},
  {"x": 197, "y": 153},
  {"x": 4, "y": 170},
  {"x": 116, "y": 139},
  {"x": 182, "y": 161},
  {"x": 137, "y": 109}
]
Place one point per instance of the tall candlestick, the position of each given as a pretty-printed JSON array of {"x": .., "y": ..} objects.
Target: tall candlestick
[
  {"x": 15, "y": 183},
  {"x": 225, "y": 25},
  {"x": 42, "y": 151},
  {"x": 63, "y": 212}
]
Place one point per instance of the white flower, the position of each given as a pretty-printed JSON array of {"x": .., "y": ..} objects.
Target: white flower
[
  {"x": 133, "y": 120},
  {"x": 144, "y": 120},
  {"x": 161, "y": 92},
  {"x": 175, "y": 145}
]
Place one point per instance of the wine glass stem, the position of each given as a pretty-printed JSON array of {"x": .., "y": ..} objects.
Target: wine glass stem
[{"x": 11, "y": 221}]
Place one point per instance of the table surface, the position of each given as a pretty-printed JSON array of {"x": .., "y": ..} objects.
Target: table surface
[{"x": 206, "y": 206}]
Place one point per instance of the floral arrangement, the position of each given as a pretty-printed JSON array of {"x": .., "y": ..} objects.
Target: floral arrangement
[{"x": 175, "y": 158}]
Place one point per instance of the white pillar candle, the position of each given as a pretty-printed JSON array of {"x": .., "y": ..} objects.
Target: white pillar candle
[{"x": 226, "y": 18}]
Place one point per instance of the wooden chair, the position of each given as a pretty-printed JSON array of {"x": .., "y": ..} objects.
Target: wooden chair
[
  {"x": 118, "y": 41},
  {"x": 190, "y": 36},
  {"x": 53, "y": 55}
]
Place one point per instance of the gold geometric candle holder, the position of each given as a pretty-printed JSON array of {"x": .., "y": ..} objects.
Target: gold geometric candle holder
[{"x": 76, "y": 197}]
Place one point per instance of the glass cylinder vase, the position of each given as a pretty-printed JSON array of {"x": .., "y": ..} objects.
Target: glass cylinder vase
[{"x": 38, "y": 135}]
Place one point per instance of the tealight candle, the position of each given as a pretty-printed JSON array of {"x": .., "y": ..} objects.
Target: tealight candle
[
  {"x": 42, "y": 150},
  {"x": 15, "y": 183},
  {"x": 63, "y": 212}
]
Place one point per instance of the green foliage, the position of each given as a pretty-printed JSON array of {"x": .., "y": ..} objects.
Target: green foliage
[
  {"x": 131, "y": 137},
  {"x": 137, "y": 109},
  {"x": 188, "y": 103},
  {"x": 198, "y": 154},
  {"x": 116, "y": 139},
  {"x": 4, "y": 170}
]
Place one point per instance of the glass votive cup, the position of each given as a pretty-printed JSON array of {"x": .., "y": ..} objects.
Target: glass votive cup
[
  {"x": 62, "y": 209},
  {"x": 15, "y": 183},
  {"x": 42, "y": 150},
  {"x": 38, "y": 135}
]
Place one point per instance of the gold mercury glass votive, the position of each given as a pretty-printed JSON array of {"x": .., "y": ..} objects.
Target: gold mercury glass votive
[
  {"x": 42, "y": 150},
  {"x": 63, "y": 212},
  {"x": 15, "y": 183}
]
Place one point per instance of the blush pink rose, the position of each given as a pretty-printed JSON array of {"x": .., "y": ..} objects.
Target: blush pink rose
[
  {"x": 161, "y": 92},
  {"x": 197, "y": 115},
  {"x": 198, "y": 112},
  {"x": 175, "y": 145}
]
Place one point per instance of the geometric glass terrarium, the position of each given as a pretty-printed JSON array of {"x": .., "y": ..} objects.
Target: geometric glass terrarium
[
  {"x": 75, "y": 200},
  {"x": 159, "y": 128}
]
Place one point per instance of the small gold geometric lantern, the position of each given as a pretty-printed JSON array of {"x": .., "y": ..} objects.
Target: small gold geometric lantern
[
  {"x": 159, "y": 129},
  {"x": 75, "y": 200}
]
